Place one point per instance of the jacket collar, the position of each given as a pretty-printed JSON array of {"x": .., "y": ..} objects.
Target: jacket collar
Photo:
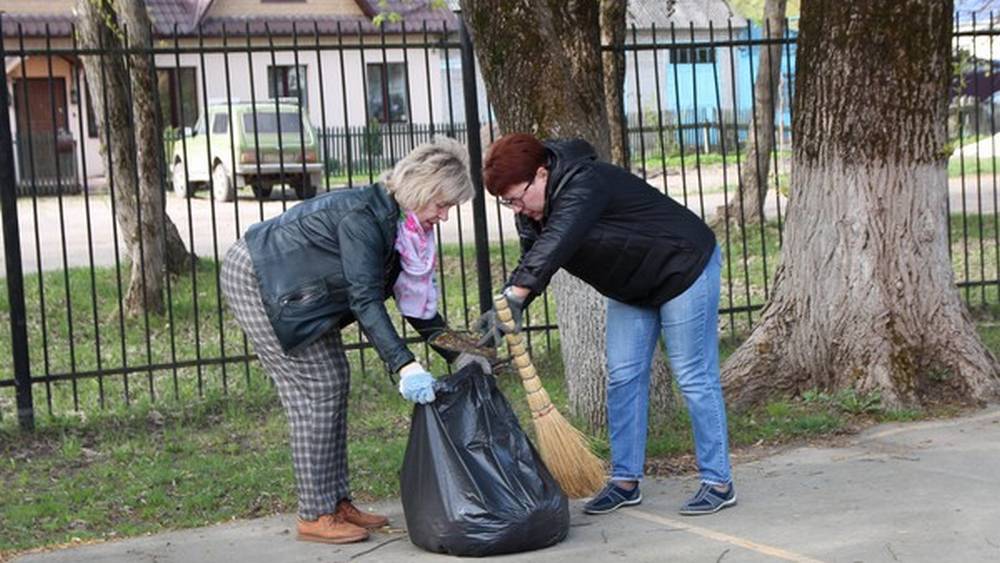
[
  {"x": 383, "y": 204},
  {"x": 565, "y": 157}
]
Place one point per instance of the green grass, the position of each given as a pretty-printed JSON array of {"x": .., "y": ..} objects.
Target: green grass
[
  {"x": 71, "y": 338},
  {"x": 971, "y": 165},
  {"x": 673, "y": 162},
  {"x": 653, "y": 160},
  {"x": 95, "y": 342},
  {"x": 968, "y": 165},
  {"x": 357, "y": 178}
]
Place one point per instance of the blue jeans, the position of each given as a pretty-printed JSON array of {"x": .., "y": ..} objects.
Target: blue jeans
[{"x": 689, "y": 324}]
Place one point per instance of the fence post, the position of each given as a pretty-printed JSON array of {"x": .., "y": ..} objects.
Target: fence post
[
  {"x": 12, "y": 254},
  {"x": 476, "y": 167}
]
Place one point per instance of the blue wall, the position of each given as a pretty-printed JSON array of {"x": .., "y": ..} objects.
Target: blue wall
[
  {"x": 690, "y": 83},
  {"x": 690, "y": 79}
]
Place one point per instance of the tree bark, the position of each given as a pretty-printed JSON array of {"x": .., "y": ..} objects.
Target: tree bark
[
  {"x": 149, "y": 132},
  {"x": 613, "y": 34},
  {"x": 149, "y": 251},
  {"x": 865, "y": 297},
  {"x": 543, "y": 69},
  {"x": 134, "y": 167},
  {"x": 747, "y": 205}
]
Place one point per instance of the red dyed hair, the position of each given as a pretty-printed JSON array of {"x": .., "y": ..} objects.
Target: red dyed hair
[{"x": 512, "y": 159}]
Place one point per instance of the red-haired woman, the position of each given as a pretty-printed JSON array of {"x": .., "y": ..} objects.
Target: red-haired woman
[{"x": 658, "y": 265}]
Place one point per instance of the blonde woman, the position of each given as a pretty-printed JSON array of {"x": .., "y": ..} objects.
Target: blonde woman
[{"x": 296, "y": 280}]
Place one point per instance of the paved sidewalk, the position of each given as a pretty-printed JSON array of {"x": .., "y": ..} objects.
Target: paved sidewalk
[{"x": 902, "y": 492}]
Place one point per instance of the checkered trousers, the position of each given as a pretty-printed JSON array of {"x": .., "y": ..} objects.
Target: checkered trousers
[{"x": 313, "y": 385}]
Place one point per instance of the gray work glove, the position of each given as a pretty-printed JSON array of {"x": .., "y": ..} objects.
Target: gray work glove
[{"x": 490, "y": 327}]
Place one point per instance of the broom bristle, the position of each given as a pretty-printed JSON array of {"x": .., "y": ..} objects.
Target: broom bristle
[
  {"x": 563, "y": 448},
  {"x": 565, "y": 451}
]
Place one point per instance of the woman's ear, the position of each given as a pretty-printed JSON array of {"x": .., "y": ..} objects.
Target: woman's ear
[{"x": 543, "y": 172}]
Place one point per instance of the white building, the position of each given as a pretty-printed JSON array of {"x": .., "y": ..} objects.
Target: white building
[{"x": 326, "y": 52}]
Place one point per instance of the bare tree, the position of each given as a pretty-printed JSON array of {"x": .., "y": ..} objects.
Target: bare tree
[
  {"x": 543, "y": 68},
  {"x": 747, "y": 205},
  {"x": 865, "y": 297},
  {"x": 134, "y": 162}
]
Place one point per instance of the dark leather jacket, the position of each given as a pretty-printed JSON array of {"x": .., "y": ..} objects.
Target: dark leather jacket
[
  {"x": 612, "y": 230},
  {"x": 331, "y": 260}
]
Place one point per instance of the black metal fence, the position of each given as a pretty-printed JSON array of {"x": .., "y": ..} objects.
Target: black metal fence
[
  {"x": 377, "y": 142},
  {"x": 689, "y": 101}
]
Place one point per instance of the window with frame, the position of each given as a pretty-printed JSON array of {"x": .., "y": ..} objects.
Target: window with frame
[
  {"x": 220, "y": 124},
  {"x": 696, "y": 55},
  {"x": 288, "y": 81},
  {"x": 387, "y": 92},
  {"x": 178, "y": 96}
]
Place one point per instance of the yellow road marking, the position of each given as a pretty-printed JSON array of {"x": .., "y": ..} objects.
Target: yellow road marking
[{"x": 720, "y": 537}]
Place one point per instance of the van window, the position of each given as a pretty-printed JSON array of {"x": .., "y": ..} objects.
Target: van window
[
  {"x": 266, "y": 122},
  {"x": 220, "y": 124}
]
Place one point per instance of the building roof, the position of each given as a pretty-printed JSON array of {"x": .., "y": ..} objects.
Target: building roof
[
  {"x": 413, "y": 16},
  {"x": 185, "y": 17},
  {"x": 643, "y": 14},
  {"x": 35, "y": 25},
  {"x": 184, "y": 14}
]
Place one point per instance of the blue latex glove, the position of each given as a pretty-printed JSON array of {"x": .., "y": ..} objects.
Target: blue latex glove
[{"x": 415, "y": 384}]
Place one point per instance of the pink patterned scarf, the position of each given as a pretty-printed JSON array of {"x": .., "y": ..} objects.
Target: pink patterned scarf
[{"x": 415, "y": 290}]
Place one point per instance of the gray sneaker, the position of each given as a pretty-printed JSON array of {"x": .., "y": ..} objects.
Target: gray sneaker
[{"x": 709, "y": 501}]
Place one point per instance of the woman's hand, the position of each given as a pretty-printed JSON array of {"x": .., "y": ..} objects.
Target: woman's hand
[
  {"x": 490, "y": 327},
  {"x": 416, "y": 384}
]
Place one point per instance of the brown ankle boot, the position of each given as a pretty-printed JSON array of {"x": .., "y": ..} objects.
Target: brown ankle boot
[
  {"x": 366, "y": 520},
  {"x": 330, "y": 528}
]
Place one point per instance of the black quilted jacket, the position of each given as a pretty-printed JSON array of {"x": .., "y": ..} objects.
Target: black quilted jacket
[{"x": 612, "y": 230}]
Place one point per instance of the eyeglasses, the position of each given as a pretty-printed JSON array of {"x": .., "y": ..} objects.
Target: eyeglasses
[{"x": 509, "y": 202}]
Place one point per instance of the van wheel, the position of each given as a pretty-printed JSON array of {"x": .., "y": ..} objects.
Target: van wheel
[
  {"x": 304, "y": 188},
  {"x": 262, "y": 191},
  {"x": 180, "y": 184},
  {"x": 222, "y": 184}
]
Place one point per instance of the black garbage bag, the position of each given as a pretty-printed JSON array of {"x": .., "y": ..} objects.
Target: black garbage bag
[{"x": 472, "y": 483}]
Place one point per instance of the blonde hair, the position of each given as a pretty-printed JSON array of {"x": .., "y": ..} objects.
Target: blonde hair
[{"x": 436, "y": 171}]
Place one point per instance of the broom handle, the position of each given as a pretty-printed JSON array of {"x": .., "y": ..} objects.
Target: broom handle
[{"x": 538, "y": 398}]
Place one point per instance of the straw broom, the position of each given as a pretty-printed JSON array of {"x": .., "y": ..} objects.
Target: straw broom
[{"x": 563, "y": 448}]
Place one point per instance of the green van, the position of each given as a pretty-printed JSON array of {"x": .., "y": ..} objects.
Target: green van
[{"x": 260, "y": 145}]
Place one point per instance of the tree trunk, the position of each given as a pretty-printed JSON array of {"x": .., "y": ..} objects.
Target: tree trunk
[
  {"x": 543, "y": 70},
  {"x": 747, "y": 205},
  {"x": 109, "y": 86},
  {"x": 865, "y": 297},
  {"x": 178, "y": 259},
  {"x": 613, "y": 34},
  {"x": 149, "y": 254},
  {"x": 149, "y": 132},
  {"x": 139, "y": 208}
]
